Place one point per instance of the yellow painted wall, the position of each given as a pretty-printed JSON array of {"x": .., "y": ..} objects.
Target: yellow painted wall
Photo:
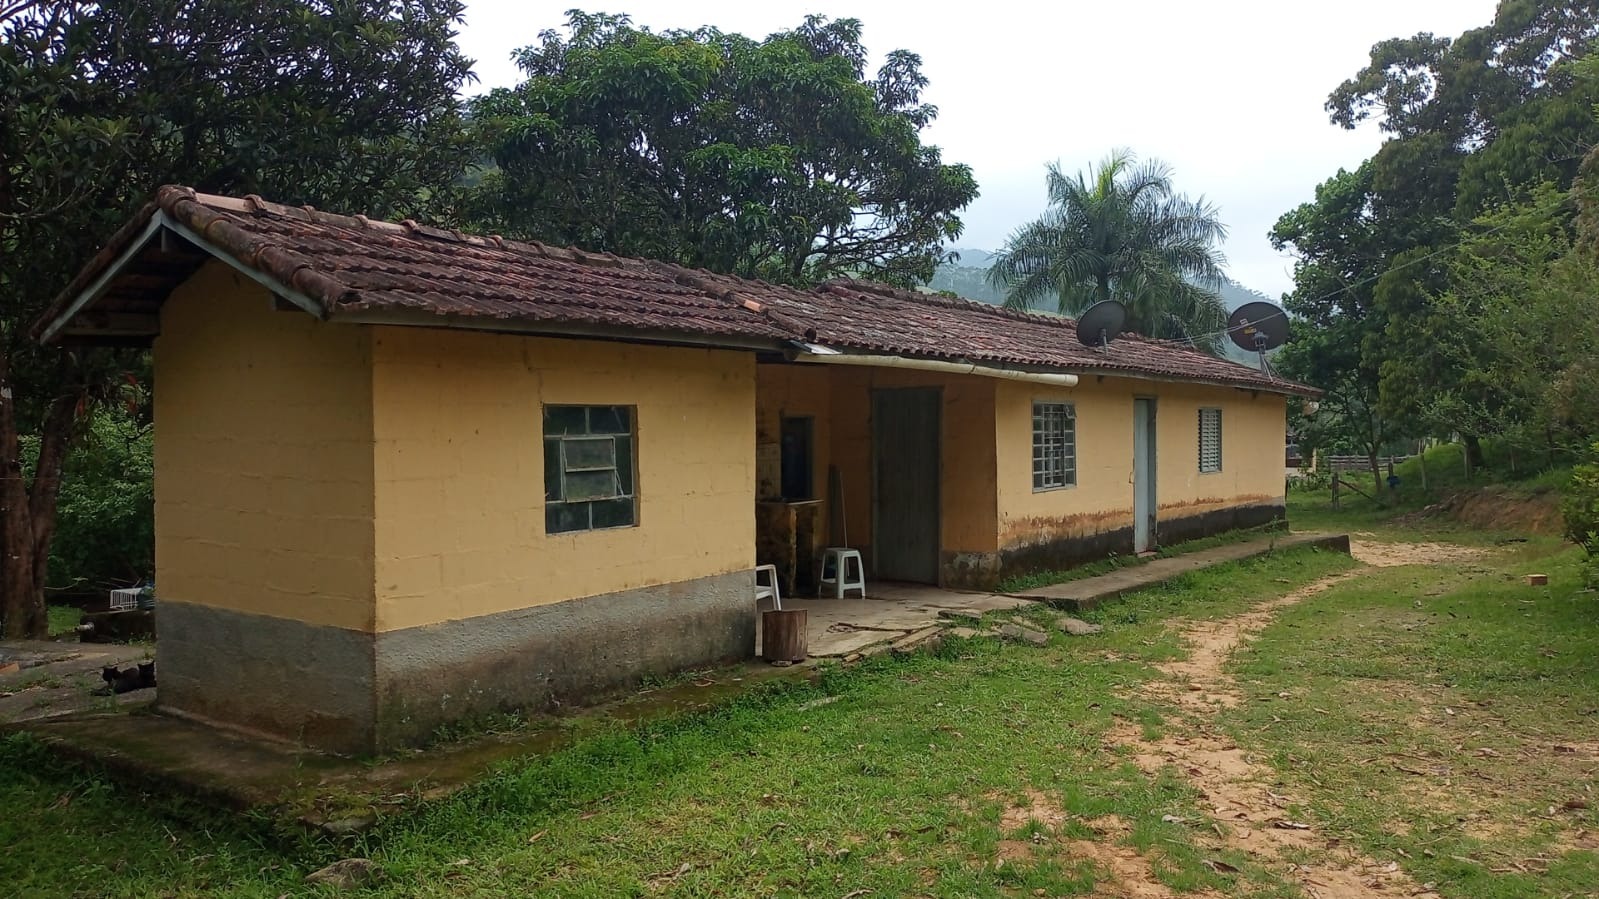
[
  {"x": 966, "y": 484},
  {"x": 1102, "y": 500},
  {"x": 263, "y": 456},
  {"x": 1252, "y": 449},
  {"x": 459, "y": 464},
  {"x": 784, "y": 391},
  {"x": 1102, "y": 497}
]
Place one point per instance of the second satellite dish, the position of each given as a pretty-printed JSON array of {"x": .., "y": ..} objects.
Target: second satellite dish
[
  {"x": 1258, "y": 327},
  {"x": 1100, "y": 324}
]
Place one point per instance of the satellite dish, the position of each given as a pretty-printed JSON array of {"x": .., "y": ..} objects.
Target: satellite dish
[
  {"x": 1258, "y": 327},
  {"x": 1101, "y": 323}
]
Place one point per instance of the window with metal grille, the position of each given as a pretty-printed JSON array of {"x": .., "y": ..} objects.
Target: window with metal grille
[
  {"x": 1209, "y": 440},
  {"x": 1054, "y": 445},
  {"x": 589, "y": 472}
]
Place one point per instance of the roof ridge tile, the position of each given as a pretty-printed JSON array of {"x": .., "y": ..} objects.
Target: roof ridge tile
[{"x": 953, "y": 301}]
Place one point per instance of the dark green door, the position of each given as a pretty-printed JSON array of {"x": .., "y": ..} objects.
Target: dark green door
[{"x": 905, "y": 435}]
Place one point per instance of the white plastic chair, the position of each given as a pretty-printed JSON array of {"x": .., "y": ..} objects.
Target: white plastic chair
[{"x": 768, "y": 591}]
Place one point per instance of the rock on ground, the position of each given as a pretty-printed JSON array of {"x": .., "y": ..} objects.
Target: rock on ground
[
  {"x": 347, "y": 873},
  {"x": 1078, "y": 627},
  {"x": 1023, "y": 634}
]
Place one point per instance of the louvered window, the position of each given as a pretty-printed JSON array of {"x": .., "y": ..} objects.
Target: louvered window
[
  {"x": 1209, "y": 440},
  {"x": 1054, "y": 445}
]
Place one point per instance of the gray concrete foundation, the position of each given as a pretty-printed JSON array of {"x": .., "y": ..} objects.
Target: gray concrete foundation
[
  {"x": 360, "y": 693},
  {"x": 564, "y": 652},
  {"x": 277, "y": 676}
]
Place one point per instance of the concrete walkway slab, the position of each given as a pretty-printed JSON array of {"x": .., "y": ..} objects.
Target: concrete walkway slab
[
  {"x": 1089, "y": 592},
  {"x": 42, "y": 679},
  {"x": 841, "y": 627}
]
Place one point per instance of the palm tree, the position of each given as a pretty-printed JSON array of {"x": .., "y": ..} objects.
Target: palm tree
[{"x": 1120, "y": 232}]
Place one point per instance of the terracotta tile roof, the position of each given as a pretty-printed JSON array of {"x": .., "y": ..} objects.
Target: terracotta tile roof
[
  {"x": 353, "y": 268},
  {"x": 871, "y": 317}
]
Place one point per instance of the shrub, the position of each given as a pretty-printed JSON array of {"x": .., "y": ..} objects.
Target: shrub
[
  {"x": 1580, "y": 508},
  {"x": 105, "y": 528}
]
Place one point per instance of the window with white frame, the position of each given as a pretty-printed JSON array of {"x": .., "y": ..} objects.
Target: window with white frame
[
  {"x": 1209, "y": 440},
  {"x": 589, "y": 473},
  {"x": 1054, "y": 445}
]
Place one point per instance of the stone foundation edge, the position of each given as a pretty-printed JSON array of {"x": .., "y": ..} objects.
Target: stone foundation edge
[{"x": 983, "y": 571}]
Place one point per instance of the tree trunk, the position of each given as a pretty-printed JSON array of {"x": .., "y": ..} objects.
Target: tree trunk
[
  {"x": 28, "y": 512},
  {"x": 1376, "y": 473},
  {"x": 1473, "y": 452},
  {"x": 16, "y": 537}
]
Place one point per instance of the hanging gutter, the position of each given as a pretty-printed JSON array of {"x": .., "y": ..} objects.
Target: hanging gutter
[{"x": 828, "y": 356}]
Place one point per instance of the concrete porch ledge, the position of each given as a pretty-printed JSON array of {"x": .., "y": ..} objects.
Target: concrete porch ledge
[
  {"x": 843, "y": 628},
  {"x": 1088, "y": 593}
]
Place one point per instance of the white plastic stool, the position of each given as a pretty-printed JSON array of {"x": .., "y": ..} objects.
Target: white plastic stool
[{"x": 836, "y": 571}]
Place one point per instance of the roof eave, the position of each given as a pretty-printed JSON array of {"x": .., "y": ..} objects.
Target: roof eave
[
  {"x": 563, "y": 329},
  {"x": 54, "y": 326},
  {"x": 1286, "y": 388},
  {"x": 92, "y": 281}
]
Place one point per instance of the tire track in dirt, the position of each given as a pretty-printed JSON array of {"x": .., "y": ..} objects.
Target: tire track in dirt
[{"x": 1236, "y": 785}]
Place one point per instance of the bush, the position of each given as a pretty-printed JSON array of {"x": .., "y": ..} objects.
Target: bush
[
  {"x": 1580, "y": 508},
  {"x": 105, "y": 525},
  {"x": 1312, "y": 480}
]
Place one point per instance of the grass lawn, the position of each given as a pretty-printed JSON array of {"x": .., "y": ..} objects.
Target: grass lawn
[
  {"x": 978, "y": 771},
  {"x": 63, "y": 619},
  {"x": 1311, "y": 510},
  {"x": 1442, "y": 718},
  {"x": 1445, "y": 717},
  {"x": 1021, "y": 583}
]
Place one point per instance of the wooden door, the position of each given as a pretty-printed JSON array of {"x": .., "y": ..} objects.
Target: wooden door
[{"x": 905, "y": 471}]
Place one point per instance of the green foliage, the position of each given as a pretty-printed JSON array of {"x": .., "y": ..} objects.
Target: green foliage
[
  {"x": 779, "y": 159},
  {"x": 349, "y": 105},
  {"x": 105, "y": 526},
  {"x": 1337, "y": 339},
  {"x": 64, "y": 619},
  {"x": 1514, "y": 330},
  {"x": 1411, "y": 334},
  {"x": 1579, "y": 506},
  {"x": 1120, "y": 231},
  {"x": 1023, "y": 583}
]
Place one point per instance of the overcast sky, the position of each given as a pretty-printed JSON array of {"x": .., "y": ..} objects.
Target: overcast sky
[{"x": 1229, "y": 92}]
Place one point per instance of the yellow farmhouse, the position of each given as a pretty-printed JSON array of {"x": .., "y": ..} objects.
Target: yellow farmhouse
[{"x": 406, "y": 476}]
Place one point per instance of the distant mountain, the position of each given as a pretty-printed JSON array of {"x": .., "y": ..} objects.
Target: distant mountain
[
  {"x": 970, "y": 258},
  {"x": 1235, "y": 295},
  {"x": 968, "y": 277}
]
